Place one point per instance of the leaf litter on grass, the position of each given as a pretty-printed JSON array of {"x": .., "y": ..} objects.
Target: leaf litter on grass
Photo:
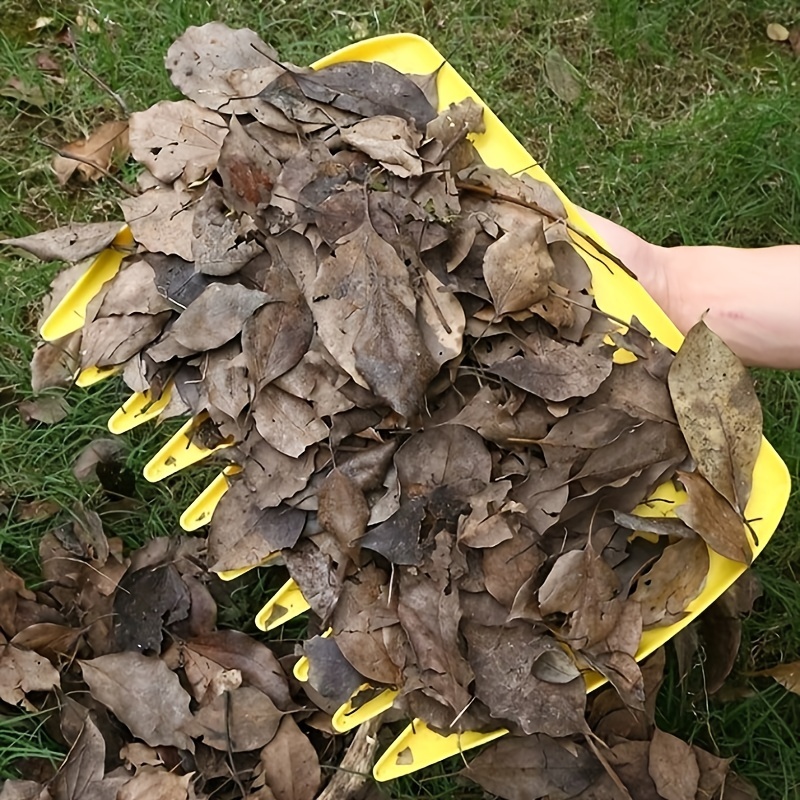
[{"x": 433, "y": 431}]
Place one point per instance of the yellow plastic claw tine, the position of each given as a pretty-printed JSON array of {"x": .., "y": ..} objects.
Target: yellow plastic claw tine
[
  {"x": 302, "y": 664},
  {"x": 70, "y": 314},
  {"x": 418, "y": 747},
  {"x": 201, "y": 510},
  {"x": 92, "y": 375},
  {"x": 349, "y": 715},
  {"x": 138, "y": 409},
  {"x": 232, "y": 574},
  {"x": 287, "y": 603},
  {"x": 179, "y": 452}
]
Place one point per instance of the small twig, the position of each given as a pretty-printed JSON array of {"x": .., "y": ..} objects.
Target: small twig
[
  {"x": 64, "y": 154},
  {"x": 354, "y": 771},
  {"x": 99, "y": 81}
]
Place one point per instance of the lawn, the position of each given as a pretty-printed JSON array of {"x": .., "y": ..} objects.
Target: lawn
[{"x": 685, "y": 129}]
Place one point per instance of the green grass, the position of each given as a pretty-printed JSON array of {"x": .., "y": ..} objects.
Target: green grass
[{"x": 687, "y": 130}]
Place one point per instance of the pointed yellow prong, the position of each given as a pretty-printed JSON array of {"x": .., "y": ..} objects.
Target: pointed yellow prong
[
  {"x": 70, "y": 314},
  {"x": 287, "y": 603},
  {"x": 232, "y": 574},
  {"x": 418, "y": 747},
  {"x": 350, "y": 715},
  {"x": 138, "y": 409},
  {"x": 201, "y": 510},
  {"x": 302, "y": 665},
  {"x": 179, "y": 452},
  {"x": 92, "y": 375}
]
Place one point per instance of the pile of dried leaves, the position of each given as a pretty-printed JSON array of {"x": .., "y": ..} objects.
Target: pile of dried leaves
[{"x": 401, "y": 346}]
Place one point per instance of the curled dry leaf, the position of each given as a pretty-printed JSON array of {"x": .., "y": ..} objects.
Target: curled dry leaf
[
  {"x": 98, "y": 152},
  {"x": 70, "y": 243}
]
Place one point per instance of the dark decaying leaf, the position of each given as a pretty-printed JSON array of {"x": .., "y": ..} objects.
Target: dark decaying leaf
[
  {"x": 145, "y": 603},
  {"x": 718, "y": 411},
  {"x": 329, "y": 672}
]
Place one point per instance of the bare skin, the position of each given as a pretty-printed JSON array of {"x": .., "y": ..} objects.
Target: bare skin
[{"x": 750, "y": 298}]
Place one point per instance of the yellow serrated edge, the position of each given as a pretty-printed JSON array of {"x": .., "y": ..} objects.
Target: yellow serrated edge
[
  {"x": 418, "y": 747},
  {"x": 179, "y": 452},
  {"x": 138, "y": 409},
  {"x": 70, "y": 314},
  {"x": 200, "y": 511},
  {"x": 287, "y": 603}
]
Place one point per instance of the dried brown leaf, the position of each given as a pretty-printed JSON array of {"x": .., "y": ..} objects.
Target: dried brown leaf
[
  {"x": 104, "y": 146},
  {"x": 177, "y": 139},
  {"x": 712, "y": 516},
  {"x": 70, "y": 243},
  {"x": 289, "y": 764},
  {"x": 48, "y": 409},
  {"x": 160, "y": 220},
  {"x": 518, "y": 269},
  {"x": 673, "y": 767},
  {"x": 143, "y": 694},
  {"x": 718, "y": 411},
  {"x": 23, "y": 672}
]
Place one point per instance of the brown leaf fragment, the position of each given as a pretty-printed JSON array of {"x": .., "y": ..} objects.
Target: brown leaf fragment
[
  {"x": 240, "y": 719},
  {"x": 49, "y": 639},
  {"x": 718, "y": 411},
  {"x": 556, "y": 371},
  {"x": 365, "y": 312},
  {"x": 213, "y": 319},
  {"x": 518, "y": 268},
  {"x": 289, "y": 764},
  {"x": 83, "y": 766},
  {"x": 712, "y": 516},
  {"x": 368, "y": 89},
  {"x": 48, "y": 409},
  {"x": 152, "y": 782},
  {"x": 397, "y": 538},
  {"x": 98, "y": 451},
  {"x": 316, "y": 576},
  {"x": 256, "y": 662},
  {"x": 222, "y": 243},
  {"x": 521, "y": 768},
  {"x": 205, "y": 61},
  {"x": 329, "y": 672},
  {"x": 787, "y": 675},
  {"x": 244, "y": 534},
  {"x": 133, "y": 291},
  {"x": 24, "y": 790},
  {"x": 147, "y": 601},
  {"x": 274, "y": 476},
  {"x": 143, "y": 694},
  {"x": 507, "y": 566},
  {"x": 275, "y": 338},
  {"x": 389, "y": 140},
  {"x": 343, "y": 510},
  {"x": 161, "y": 222},
  {"x": 55, "y": 363},
  {"x": 23, "y": 672},
  {"x": 562, "y": 77},
  {"x": 286, "y": 422},
  {"x": 668, "y": 587},
  {"x": 503, "y": 659},
  {"x": 673, "y": 767},
  {"x": 110, "y": 341},
  {"x": 104, "y": 146},
  {"x": 70, "y": 243},
  {"x": 177, "y": 139}
]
